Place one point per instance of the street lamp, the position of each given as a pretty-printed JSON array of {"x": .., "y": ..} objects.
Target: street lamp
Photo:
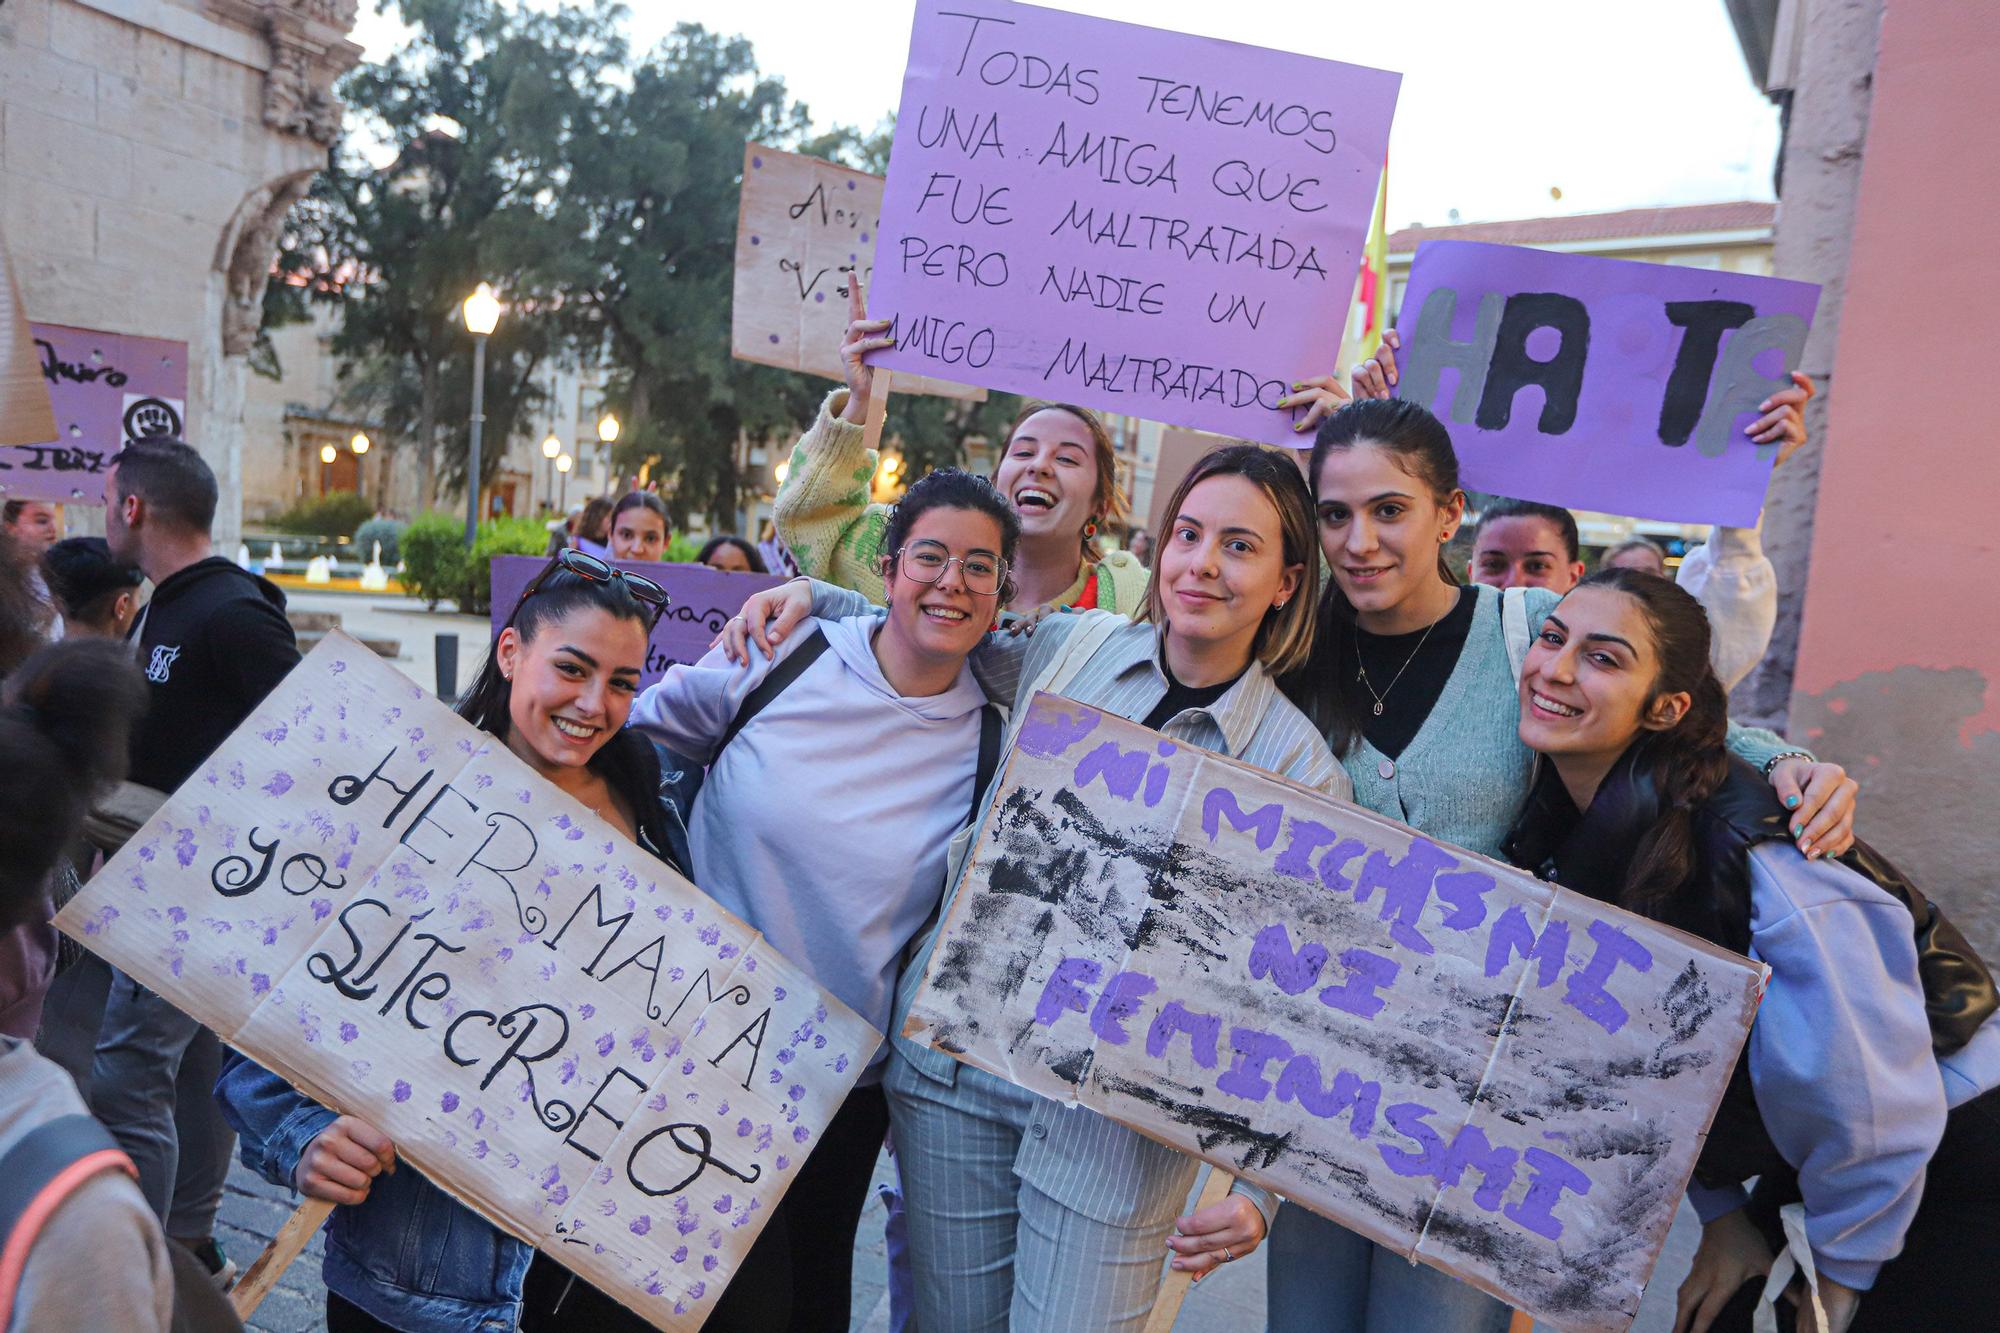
[
  {"x": 607, "y": 435},
  {"x": 551, "y": 446},
  {"x": 563, "y": 464},
  {"x": 482, "y": 316},
  {"x": 359, "y": 444},
  {"x": 326, "y": 453}
]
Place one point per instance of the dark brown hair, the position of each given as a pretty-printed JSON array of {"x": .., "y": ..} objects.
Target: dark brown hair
[{"x": 1107, "y": 501}]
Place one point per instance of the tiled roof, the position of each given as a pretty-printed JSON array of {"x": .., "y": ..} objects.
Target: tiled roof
[{"x": 1632, "y": 222}]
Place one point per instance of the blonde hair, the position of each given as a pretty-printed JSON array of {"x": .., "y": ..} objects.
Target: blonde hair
[
  {"x": 1284, "y": 640},
  {"x": 1108, "y": 505}
]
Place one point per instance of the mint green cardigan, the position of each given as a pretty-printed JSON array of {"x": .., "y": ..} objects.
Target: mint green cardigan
[{"x": 1463, "y": 777}]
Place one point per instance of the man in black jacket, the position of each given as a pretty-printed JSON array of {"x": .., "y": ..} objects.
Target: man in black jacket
[{"x": 212, "y": 642}]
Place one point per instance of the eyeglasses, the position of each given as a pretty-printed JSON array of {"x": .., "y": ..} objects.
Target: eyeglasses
[
  {"x": 587, "y": 566},
  {"x": 926, "y": 562}
]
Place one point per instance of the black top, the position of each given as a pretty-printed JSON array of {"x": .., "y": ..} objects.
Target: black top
[
  {"x": 213, "y": 643},
  {"x": 1179, "y": 698},
  {"x": 1409, "y": 703}
]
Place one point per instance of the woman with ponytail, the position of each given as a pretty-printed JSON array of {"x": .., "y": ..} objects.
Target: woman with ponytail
[{"x": 1849, "y": 1099}]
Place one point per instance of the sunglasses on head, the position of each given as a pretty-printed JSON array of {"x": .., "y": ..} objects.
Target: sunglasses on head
[{"x": 587, "y": 566}]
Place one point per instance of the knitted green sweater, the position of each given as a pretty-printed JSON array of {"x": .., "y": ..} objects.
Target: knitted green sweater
[
  {"x": 824, "y": 516},
  {"x": 1464, "y": 775}
]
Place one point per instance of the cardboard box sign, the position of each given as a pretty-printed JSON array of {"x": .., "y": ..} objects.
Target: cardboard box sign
[
  {"x": 1139, "y": 221},
  {"x": 803, "y": 224},
  {"x": 25, "y": 414},
  {"x": 703, "y": 601},
  {"x": 1487, "y": 1073},
  {"x": 1605, "y": 384},
  {"x": 106, "y": 390},
  {"x": 379, "y": 902}
]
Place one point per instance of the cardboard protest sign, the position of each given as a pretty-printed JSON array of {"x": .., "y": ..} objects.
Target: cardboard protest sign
[
  {"x": 802, "y": 225},
  {"x": 1641, "y": 377},
  {"x": 1141, "y": 221},
  {"x": 107, "y": 389},
  {"x": 703, "y": 601},
  {"x": 379, "y": 902},
  {"x": 1497, "y": 1077},
  {"x": 25, "y": 415}
]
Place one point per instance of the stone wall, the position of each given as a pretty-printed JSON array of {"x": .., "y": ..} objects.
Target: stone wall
[{"x": 149, "y": 150}]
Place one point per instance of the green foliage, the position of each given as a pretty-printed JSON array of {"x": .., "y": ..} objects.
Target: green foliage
[
  {"x": 388, "y": 531},
  {"x": 434, "y": 560},
  {"x": 333, "y": 515},
  {"x": 681, "y": 549}
]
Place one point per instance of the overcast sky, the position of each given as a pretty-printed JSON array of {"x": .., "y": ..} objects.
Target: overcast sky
[{"x": 1615, "y": 104}]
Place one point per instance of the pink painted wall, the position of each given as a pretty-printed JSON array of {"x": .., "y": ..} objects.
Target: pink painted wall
[{"x": 1898, "y": 669}]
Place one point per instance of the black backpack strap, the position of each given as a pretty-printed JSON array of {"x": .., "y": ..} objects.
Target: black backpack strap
[
  {"x": 773, "y": 685},
  {"x": 990, "y": 730},
  {"x": 36, "y": 1175}
]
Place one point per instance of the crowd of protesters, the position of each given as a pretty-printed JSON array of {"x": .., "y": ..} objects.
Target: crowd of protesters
[{"x": 1309, "y": 623}]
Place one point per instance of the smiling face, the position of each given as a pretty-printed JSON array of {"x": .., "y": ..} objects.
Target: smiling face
[
  {"x": 1049, "y": 475},
  {"x": 945, "y": 619},
  {"x": 1587, "y": 688},
  {"x": 1221, "y": 566},
  {"x": 638, "y": 534},
  {"x": 1380, "y": 527},
  {"x": 572, "y": 685},
  {"x": 1523, "y": 551}
]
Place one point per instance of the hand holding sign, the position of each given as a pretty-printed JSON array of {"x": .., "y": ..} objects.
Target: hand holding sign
[{"x": 864, "y": 335}]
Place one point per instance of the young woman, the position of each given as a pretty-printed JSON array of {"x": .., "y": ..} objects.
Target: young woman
[
  {"x": 94, "y": 594},
  {"x": 825, "y": 821},
  {"x": 1639, "y": 554},
  {"x": 639, "y": 527},
  {"x": 1729, "y": 573},
  {"x": 590, "y": 532},
  {"x": 1411, "y": 680},
  {"x": 1846, "y": 1099},
  {"x": 1028, "y": 1215},
  {"x": 731, "y": 555},
  {"x": 401, "y": 1254},
  {"x": 1058, "y": 470}
]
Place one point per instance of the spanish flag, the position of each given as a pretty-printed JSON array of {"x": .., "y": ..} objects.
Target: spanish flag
[{"x": 1374, "y": 294}]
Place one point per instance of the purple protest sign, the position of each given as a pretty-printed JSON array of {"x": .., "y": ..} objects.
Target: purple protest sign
[
  {"x": 1143, "y": 221},
  {"x": 107, "y": 389},
  {"x": 1644, "y": 376},
  {"x": 703, "y": 601}
]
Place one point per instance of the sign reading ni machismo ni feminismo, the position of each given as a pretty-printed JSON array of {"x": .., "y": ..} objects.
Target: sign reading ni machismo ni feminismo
[
  {"x": 1498, "y": 1077},
  {"x": 1140, "y": 221},
  {"x": 381, "y": 903}
]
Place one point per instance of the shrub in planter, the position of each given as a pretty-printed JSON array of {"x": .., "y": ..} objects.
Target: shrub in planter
[
  {"x": 432, "y": 549},
  {"x": 388, "y": 531}
]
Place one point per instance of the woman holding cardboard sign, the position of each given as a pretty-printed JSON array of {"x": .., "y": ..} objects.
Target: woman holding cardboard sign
[
  {"x": 1058, "y": 470},
  {"x": 1412, "y": 678},
  {"x": 1024, "y": 1213},
  {"x": 1848, "y": 1090},
  {"x": 400, "y": 1253}
]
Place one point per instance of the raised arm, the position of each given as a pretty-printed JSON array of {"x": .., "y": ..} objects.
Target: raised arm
[{"x": 822, "y": 511}]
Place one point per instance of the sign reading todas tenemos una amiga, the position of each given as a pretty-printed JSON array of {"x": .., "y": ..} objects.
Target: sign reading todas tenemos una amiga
[
  {"x": 703, "y": 601},
  {"x": 1484, "y": 1072},
  {"x": 1642, "y": 376},
  {"x": 1141, "y": 221},
  {"x": 802, "y": 226},
  {"x": 107, "y": 389},
  {"x": 366, "y": 894}
]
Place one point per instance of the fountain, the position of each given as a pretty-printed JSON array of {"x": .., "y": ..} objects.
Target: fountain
[
  {"x": 319, "y": 569},
  {"x": 375, "y": 578}
]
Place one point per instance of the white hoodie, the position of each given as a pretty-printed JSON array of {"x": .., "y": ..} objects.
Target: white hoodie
[{"x": 826, "y": 821}]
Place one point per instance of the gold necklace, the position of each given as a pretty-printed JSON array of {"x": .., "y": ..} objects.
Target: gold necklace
[{"x": 1361, "y": 673}]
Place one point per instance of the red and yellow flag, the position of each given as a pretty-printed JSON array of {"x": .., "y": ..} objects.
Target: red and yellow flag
[{"x": 1373, "y": 297}]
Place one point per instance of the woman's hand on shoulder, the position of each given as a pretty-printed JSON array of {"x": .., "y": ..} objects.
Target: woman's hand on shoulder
[
  {"x": 1376, "y": 377},
  {"x": 1221, "y": 1233},
  {"x": 342, "y": 1161},
  {"x": 765, "y": 620},
  {"x": 1821, "y": 799}
]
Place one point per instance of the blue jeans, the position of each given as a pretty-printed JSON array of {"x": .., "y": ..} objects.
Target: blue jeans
[
  {"x": 158, "y": 1117},
  {"x": 1324, "y": 1278}
]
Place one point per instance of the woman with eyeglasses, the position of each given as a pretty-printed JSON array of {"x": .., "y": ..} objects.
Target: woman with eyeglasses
[
  {"x": 825, "y": 819},
  {"x": 1023, "y": 1213},
  {"x": 400, "y": 1253}
]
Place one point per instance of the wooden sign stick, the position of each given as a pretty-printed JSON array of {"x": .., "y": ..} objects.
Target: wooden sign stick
[
  {"x": 878, "y": 409},
  {"x": 251, "y": 1289},
  {"x": 1174, "y": 1287}
]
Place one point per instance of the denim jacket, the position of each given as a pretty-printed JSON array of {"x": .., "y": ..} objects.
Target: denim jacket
[{"x": 410, "y": 1254}]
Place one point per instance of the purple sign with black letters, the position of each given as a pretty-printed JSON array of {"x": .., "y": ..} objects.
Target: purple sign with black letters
[
  {"x": 107, "y": 390},
  {"x": 1483, "y": 1072},
  {"x": 1142, "y": 221},
  {"x": 1603, "y": 384}
]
